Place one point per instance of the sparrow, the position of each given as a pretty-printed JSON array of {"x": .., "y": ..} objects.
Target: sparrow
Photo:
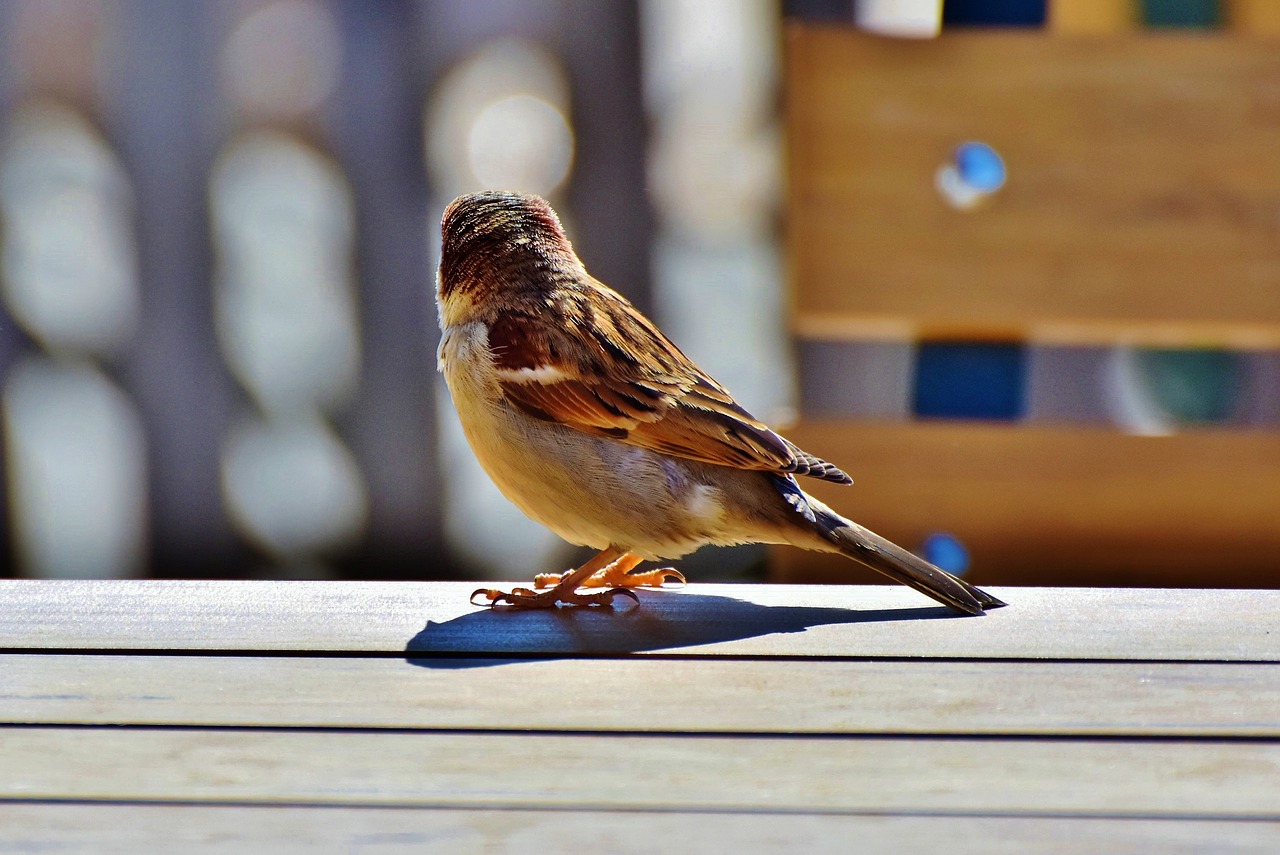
[{"x": 596, "y": 426}]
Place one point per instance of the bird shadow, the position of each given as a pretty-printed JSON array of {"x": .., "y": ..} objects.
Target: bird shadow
[{"x": 663, "y": 621}]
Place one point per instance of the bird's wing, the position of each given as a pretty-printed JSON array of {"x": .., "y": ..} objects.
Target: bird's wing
[{"x": 616, "y": 375}]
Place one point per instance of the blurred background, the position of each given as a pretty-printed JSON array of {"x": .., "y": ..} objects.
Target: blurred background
[{"x": 218, "y": 232}]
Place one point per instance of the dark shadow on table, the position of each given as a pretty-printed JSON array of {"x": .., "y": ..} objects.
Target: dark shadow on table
[{"x": 663, "y": 620}]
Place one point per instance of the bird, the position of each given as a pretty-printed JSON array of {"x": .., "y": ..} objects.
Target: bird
[{"x": 594, "y": 424}]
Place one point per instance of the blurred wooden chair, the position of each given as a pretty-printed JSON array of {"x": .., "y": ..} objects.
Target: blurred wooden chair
[{"x": 1142, "y": 208}]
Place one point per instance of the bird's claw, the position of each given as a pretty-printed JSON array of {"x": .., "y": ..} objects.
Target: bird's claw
[
  {"x": 494, "y": 596},
  {"x": 658, "y": 578}
]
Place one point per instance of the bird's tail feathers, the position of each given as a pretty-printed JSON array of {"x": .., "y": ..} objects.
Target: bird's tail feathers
[{"x": 871, "y": 549}]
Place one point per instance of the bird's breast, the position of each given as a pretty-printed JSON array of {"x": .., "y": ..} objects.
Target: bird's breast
[{"x": 597, "y": 491}]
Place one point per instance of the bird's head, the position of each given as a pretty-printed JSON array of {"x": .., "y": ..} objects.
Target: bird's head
[{"x": 501, "y": 246}]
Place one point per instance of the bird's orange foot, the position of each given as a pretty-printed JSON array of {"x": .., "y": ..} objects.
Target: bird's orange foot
[
  {"x": 618, "y": 575},
  {"x": 610, "y": 563},
  {"x": 524, "y": 598}
]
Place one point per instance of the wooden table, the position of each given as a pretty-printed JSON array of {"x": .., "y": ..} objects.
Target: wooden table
[{"x": 385, "y": 717}]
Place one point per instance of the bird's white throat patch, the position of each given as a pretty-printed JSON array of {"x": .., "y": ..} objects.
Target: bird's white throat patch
[{"x": 536, "y": 374}]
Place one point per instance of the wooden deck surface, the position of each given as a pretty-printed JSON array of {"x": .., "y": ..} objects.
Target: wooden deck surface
[{"x": 389, "y": 717}]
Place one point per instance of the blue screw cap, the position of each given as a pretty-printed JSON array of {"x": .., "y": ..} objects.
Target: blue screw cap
[
  {"x": 980, "y": 166},
  {"x": 947, "y": 552}
]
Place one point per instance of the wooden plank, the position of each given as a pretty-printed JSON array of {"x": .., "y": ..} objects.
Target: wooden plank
[
  {"x": 1038, "y": 504},
  {"x": 1092, "y": 17},
  {"x": 113, "y": 829},
  {"x": 1142, "y": 190},
  {"x": 704, "y": 619},
  {"x": 1236, "y": 335},
  {"x": 1107, "y": 778},
  {"x": 1256, "y": 17},
  {"x": 700, "y": 695}
]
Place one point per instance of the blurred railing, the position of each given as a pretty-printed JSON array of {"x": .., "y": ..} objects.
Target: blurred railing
[{"x": 219, "y": 239}]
